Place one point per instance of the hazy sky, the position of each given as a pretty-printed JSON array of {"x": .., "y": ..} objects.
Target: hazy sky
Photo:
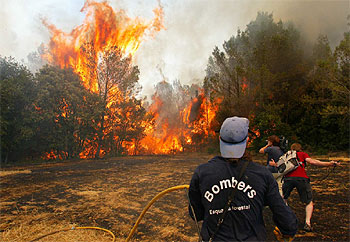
[{"x": 193, "y": 28}]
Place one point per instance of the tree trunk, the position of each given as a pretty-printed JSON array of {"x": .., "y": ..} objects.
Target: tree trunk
[{"x": 100, "y": 137}]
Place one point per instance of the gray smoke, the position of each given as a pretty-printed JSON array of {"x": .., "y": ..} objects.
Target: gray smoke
[{"x": 194, "y": 28}]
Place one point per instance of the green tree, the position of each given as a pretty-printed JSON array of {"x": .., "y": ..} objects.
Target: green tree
[
  {"x": 260, "y": 74},
  {"x": 17, "y": 92},
  {"x": 326, "y": 102},
  {"x": 340, "y": 85},
  {"x": 340, "y": 88},
  {"x": 66, "y": 113},
  {"x": 317, "y": 94}
]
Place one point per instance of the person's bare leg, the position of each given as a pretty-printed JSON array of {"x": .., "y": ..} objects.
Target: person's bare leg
[{"x": 308, "y": 212}]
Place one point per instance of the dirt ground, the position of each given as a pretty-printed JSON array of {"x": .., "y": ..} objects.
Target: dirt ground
[{"x": 38, "y": 199}]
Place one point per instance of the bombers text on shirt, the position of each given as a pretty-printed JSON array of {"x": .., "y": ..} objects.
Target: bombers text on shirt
[{"x": 223, "y": 184}]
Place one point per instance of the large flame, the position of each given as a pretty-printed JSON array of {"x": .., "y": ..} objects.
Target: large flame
[
  {"x": 81, "y": 49},
  {"x": 102, "y": 29},
  {"x": 191, "y": 128}
]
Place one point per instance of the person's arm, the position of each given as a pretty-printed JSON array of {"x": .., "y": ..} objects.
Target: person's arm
[
  {"x": 320, "y": 163},
  {"x": 195, "y": 198},
  {"x": 262, "y": 150},
  {"x": 272, "y": 163}
]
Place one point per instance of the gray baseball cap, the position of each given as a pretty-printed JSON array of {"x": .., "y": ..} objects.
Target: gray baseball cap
[{"x": 233, "y": 137}]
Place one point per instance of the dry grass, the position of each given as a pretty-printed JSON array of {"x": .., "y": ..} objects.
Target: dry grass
[
  {"x": 25, "y": 233},
  {"x": 12, "y": 172},
  {"x": 30, "y": 226},
  {"x": 112, "y": 193}
]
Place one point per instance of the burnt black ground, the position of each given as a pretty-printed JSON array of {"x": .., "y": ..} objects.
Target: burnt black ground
[{"x": 111, "y": 193}]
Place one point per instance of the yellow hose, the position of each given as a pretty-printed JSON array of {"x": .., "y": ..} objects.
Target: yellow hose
[
  {"x": 73, "y": 228},
  {"x": 137, "y": 222},
  {"x": 106, "y": 230},
  {"x": 150, "y": 204}
]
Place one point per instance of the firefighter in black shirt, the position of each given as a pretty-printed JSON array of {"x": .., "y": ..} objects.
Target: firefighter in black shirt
[{"x": 212, "y": 183}]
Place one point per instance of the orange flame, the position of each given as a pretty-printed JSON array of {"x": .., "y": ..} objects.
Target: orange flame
[
  {"x": 53, "y": 155},
  {"x": 244, "y": 85},
  {"x": 254, "y": 130},
  {"x": 194, "y": 121},
  {"x": 102, "y": 28},
  {"x": 82, "y": 49}
]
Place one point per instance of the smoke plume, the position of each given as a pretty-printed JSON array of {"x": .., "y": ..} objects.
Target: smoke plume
[{"x": 193, "y": 29}]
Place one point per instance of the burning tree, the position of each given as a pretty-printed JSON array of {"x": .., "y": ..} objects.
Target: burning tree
[
  {"x": 183, "y": 119},
  {"x": 117, "y": 85},
  {"x": 100, "y": 51},
  {"x": 65, "y": 113}
]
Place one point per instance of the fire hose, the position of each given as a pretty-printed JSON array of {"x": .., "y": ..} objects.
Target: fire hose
[
  {"x": 74, "y": 228},
  {"x": 159, "y": 195}
]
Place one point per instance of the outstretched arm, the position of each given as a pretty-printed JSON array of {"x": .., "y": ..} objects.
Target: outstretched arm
[{"x": 320, "y": 163}]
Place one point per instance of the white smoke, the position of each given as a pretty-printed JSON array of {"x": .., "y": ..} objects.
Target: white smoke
[{"x": 193, "y": 29}]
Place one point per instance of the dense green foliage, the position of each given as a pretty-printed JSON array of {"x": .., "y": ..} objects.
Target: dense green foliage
[
  {"x": 65, "y": 113},
  {"x": 262, "y": 73},
  {"x": 265, "y": 74},
  {"x": 17, "y": 94}
]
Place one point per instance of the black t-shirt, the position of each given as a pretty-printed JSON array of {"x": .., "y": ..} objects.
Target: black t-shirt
[
  {"x": 273, "y": 152},
  {"x": 209, "y": 189}
]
